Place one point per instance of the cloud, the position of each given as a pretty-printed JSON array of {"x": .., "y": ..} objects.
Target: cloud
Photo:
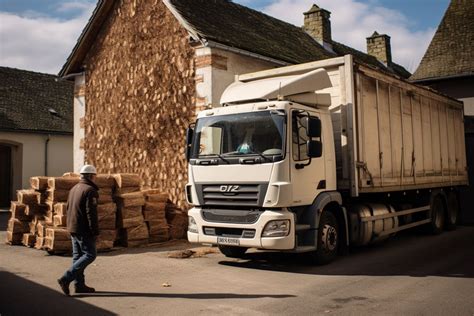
[
  {"x": 37, "y": 42},
  {"x": 352, "y": 21}
]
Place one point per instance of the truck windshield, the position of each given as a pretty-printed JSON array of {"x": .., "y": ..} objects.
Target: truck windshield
[{"x": 252, "y": 133}]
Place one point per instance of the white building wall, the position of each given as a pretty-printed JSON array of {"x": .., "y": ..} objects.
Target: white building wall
[
  {"x": 79, "y": 114},
  {"x": 29, "y": 155},
  {"x": 216, "y": 69}
]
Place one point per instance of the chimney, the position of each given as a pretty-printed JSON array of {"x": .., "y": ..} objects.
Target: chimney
[
  {"x": 378, "y": 45},
  {"x": 318, "y": 25}
]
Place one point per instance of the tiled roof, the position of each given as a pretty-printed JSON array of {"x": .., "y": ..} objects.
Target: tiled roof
[
  {"x": 35, "y": 102},
  {"x": 451, "y": 52},
  {"x": 236, "y": 26}
]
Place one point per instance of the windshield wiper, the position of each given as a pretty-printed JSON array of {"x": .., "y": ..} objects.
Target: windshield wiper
[
  {"x": 262, "y": 155},
  {"x": 218, "y": 155}
]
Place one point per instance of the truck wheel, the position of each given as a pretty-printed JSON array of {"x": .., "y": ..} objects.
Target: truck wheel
[
  {"x": 232, "y": 252},
  {"x": 452, "y": 211},
  {"x": 328, "y": 239},
  {"x": 437, "y": 215}
]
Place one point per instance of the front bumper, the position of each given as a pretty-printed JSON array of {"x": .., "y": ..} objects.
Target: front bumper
[{"x": 275, "y": 243}]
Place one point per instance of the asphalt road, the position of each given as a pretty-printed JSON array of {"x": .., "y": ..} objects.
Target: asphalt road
[{"x": 413, "y": 274}]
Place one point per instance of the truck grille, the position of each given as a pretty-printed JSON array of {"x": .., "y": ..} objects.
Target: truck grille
[
  {"x": 232, "y": 195},
  {"x": 231, "y": 216}
]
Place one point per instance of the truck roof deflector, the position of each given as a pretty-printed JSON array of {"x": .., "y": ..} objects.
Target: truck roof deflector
[{"x": 298, "y": 88}]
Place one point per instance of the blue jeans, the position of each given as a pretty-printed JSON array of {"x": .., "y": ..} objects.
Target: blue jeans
[{"x": 83, "y": 253}]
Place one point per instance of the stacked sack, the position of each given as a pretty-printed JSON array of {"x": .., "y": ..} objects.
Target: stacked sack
[
  {"x": 154, "y": 212},
  {"x": 106, "y": 212},
  {"x": 133, "y": 231}
]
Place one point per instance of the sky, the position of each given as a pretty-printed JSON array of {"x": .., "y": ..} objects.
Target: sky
[{"x": 39, "y": 35}]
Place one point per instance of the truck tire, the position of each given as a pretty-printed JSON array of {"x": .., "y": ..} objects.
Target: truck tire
[
  {"x": 452, "y": 211},
  {"x": 437, "y": 215},
  {"x": 232, "y": 252},
  {"x": 328, "y": 239}
]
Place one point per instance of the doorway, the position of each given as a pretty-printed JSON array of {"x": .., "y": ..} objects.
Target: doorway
[{"x": 5, "y": 175}]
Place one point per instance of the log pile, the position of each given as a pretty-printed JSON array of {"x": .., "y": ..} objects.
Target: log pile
[
  {"x": 154, "y": 212},
  {"x": 127, "y": 216},
  {"x": 106, "y": 212},
  {"x": 140, "y": 93}
]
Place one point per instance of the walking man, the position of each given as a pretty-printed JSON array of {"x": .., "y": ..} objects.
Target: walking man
[{"x": 82, "y": 224}]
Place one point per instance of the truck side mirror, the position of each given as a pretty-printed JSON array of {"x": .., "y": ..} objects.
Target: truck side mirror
[
  {"x": 314, "y": 127},
  {"x": 189, "y": 142},
  {"x": 314, "y": 148}
]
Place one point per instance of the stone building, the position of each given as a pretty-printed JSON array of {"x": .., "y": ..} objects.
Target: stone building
[
  {"x": 448, "y": 66},
  {"x": 143, "y": 68},
  {"x": 35, "y": 129}
]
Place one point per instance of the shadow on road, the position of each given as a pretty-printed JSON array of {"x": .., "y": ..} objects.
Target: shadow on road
[
  {"x": 195, "y": 296},
  {"x": 450, "y": 254},
  {"x": 19, "y": 296}
]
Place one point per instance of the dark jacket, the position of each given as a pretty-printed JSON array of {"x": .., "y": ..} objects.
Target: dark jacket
[{"x": 82, "y": 209}]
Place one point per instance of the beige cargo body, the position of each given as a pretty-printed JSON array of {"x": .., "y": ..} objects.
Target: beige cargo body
[{"x": 390, "y": 135}]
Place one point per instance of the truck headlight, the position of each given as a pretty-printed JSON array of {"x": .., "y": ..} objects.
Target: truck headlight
[
  {"x": 192, "y": 226},
  {"x": 276, "y": 228}
]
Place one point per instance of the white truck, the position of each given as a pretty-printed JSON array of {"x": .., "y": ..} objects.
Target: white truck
[{"x": 319, "y": 156}]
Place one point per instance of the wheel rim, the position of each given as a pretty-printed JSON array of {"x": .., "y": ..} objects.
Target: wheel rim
[{"x": 329, "y": 237}]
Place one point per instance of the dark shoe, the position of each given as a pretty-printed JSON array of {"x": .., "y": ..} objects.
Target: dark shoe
[
  {"x": 84, "y": 289},
  {"x": 64, "y": 286}
]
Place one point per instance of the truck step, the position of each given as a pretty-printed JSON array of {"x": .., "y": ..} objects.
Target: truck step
[
  {"x": 301, "y": 249},
  {"x": 302, "y": 227}
]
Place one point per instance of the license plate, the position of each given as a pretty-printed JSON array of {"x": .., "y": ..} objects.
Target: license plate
[{"x": 228, "y": 241}]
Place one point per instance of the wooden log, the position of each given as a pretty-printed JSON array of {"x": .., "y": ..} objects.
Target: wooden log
[
  {"x": 57, "y": 196},
  {"x": 60, "y": 209},
  {"x": 39, "y": 242},
  {"x": 155, "y": 195},
  {"x": 59, "y": 221},
  {"x": 19, "y": 210},
  {"x": 127, "y": 180},
  {"x": 130, "y": 199},
  {"x": 107, "y": 235},
  {"x": 136, "y": 233},
  {"x": 53, "y": 244},
  {"x": 29, "y": 240},
  {"x": 14, "y": 238},
  {"x": 131, "y": 211},
  {"x": 32, "y": 228},
  {"x": 41, "y": 228},
  {"x": 107, "y": 216},
  {"x": 71, "y": 175},
  {"x": 16, "y": 226},
  {"x": 157, "y": 227},
  {"x": 132, "y": 222},
  {"x": 36, "y": 209},
  {"x": 104, "y": 181},
  {"x": 104, "y": 244},
  {"x": 39, "y": 183},
  {"x": 136, "y": 243},
  {"x": 57, "y": 233},
  {"x": 29, "y": 197},
  {"x": 126, "y": 190},
  {"x": 62, "y": 183}
]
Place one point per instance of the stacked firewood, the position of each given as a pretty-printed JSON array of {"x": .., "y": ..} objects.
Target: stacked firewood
[
  {"x": 127, "y": 216},
  {"x": 133, "y": 231},
  {"x": 106, "y": 212},
  {"x": 154, "y": 212}
]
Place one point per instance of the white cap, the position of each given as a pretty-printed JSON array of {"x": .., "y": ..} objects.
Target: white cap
[{"x": 88, "y": 169}]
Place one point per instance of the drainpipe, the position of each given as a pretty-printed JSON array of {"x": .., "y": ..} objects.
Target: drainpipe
[{"x": 46, "y": 156}]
